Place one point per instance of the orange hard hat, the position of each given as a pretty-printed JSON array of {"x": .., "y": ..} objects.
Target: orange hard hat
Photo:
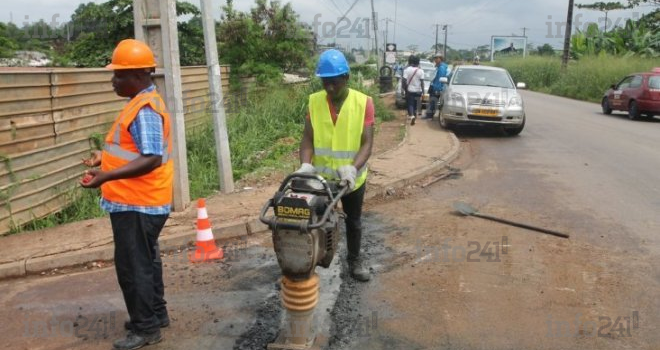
[{"x": 132, "y": 54}]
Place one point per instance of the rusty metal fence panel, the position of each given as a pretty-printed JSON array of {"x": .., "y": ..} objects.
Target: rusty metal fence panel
[{"x": 47, "y": 120}]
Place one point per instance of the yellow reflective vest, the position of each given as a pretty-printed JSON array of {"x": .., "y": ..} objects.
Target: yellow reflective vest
[{"x": 337, "y": 144}]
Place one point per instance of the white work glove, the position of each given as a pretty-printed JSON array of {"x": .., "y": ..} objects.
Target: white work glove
[
  {"x": 347, "y": 174},
  {"x": 306, "y": 168}
]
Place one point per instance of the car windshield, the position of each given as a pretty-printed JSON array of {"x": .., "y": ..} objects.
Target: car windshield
[
  {"x": 429, "y": 73},
  {"x": 482, "y": 77}
]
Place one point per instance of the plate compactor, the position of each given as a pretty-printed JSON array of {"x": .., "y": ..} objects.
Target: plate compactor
[{"x": 305, "y": 228}]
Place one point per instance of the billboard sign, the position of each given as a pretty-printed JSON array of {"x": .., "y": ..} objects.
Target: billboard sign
[{"x": 504, "y": 46}]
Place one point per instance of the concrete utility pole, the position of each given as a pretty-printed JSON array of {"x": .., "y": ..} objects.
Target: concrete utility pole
[
  {"x": 394, "y": 34},
  {"x": 567, "y": 36},
  {"x": 436, "y": 38},
  {"x": 218, "y": 108},
  {"x": 373, "y": 19},
  {"x": 155, "y": 24},
  {"x": 524, "y": 30},
  {"x": 387, "y": 28},
  {"x": 445, "y": 47}
]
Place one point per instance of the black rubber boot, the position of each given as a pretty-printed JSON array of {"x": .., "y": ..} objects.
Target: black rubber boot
[{"x": 355, "y": 263}]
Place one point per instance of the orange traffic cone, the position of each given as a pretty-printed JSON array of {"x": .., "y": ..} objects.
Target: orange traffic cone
[{"x": 206, "y": 249}]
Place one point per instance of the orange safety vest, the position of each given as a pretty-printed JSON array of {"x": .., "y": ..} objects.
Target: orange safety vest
[{"x": 152, "y": 189}]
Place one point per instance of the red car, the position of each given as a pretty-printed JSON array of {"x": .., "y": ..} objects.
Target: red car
[{"x": 638, "y": 94}]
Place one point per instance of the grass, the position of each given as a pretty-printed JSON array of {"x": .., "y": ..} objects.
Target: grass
[
  {"x": 84, "y": 205},
  {"x": 264, "y": 136},
  {"x": 585, "y": 79}
]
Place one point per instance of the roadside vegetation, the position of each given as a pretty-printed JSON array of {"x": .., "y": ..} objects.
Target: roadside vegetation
[
  {"x": 585, "y": 79},
  {"x": 598, "y": 60},
  {"x": 264, "y": 135}
]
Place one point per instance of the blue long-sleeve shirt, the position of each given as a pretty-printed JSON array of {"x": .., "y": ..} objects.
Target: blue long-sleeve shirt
[{"x": 440, "y": 72}]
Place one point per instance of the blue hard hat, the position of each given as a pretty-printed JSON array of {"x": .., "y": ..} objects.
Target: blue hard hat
[{"x": 332, "y": 63}]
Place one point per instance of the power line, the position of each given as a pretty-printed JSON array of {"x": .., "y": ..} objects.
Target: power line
[
  {"x": 349, "y": 10},
  {"x": 334, "y": 3}
]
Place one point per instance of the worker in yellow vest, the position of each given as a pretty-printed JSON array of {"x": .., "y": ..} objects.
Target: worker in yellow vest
[
  {"x": 136, "y": 186},
  {"x": 337, "y": 142}
]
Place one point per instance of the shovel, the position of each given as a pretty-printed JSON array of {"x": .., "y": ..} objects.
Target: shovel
[{"x": 468, "y": 210}]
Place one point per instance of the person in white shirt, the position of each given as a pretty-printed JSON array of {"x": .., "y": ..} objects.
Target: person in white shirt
[{"x": 413, "y": 86}]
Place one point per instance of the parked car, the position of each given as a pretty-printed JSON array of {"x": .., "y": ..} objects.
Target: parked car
[
  {"x": 485, "y": 96},
  {"x": 429, "y": 73},
  {"x": 638, "y": 94}
]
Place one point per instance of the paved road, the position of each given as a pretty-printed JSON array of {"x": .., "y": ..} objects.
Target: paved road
[
  {"x": 607, "y": 163},
  {"x": 572, "y": 169}
]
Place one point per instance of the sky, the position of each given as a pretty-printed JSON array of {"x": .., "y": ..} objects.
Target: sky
[{"x": 470, "y": 23}]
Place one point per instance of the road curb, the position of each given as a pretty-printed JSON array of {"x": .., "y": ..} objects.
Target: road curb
[
  {"x": 448, "y": 157},
  {"x": 183, "y": 237}
]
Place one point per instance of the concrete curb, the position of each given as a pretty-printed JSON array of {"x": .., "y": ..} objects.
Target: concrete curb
[
  {"x": 181, "y": 238},
  {"x": 421, "y": 173}
]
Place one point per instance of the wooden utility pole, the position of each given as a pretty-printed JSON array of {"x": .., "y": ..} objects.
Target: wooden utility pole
[
  {"x": 155, "y": 24},
  {"x": 567, "y": 36},
  {"x": 218, "y": 109}
]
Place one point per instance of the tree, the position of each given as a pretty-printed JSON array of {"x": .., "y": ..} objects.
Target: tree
[
  {"x": 640, "y": 2},
  {"x": 545, "y": 50},
  {"x": 412, "y": 48},
  {"x": 95, "y": 29},
  {"x": 604, "y": 7},
  {"x": 264, "y": 42},
  {"x": 7, "y": 42}
]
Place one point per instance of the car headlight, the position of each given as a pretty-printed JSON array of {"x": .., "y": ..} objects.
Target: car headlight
[
  {"x": 515, "y": 101},
  {"x": 456, "y": 99}
]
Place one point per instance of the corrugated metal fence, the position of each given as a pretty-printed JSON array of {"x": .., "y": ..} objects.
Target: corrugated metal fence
[{"x": 47, "y": 120}]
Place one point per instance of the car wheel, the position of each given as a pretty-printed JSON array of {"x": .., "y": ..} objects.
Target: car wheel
[
  {"x": 443, "y": 122},
  {"x": 606, "y": 106},
  {"x": 515, "y": 131},
  {"x": 633, "y": 110}
]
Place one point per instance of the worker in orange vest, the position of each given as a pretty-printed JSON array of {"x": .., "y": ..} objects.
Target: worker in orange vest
[{"x": 136, "y": 186}]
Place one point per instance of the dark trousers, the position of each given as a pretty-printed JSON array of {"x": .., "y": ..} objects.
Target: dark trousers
[
  {"x": 433, "y": 103},
  {"x": 139, "y": 268},
  {"x": 352, "y": 205},
  {"x": 412, "y": 99}
]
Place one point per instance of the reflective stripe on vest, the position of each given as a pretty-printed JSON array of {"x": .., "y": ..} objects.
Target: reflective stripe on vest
[
  {"x": 337, "y": 144},
  {"x": 153, "y": 188}
]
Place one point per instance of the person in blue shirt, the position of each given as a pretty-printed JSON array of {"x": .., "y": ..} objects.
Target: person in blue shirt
[{"x": 436, "y": 88}]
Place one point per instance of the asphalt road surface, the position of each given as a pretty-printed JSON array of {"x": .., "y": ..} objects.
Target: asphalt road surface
[
  {"x": 453, "y": 282},
  {"x": 441, "y": 281}
]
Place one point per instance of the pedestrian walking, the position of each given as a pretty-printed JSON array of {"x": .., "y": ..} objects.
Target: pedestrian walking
[{"x": 413, "y": 86}]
